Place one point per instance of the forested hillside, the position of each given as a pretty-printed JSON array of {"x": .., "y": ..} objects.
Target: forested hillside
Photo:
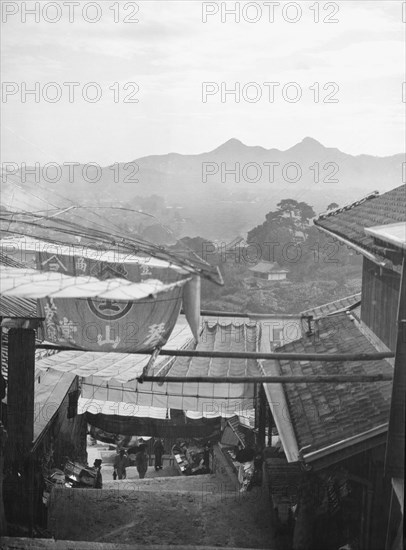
[{"x": 319, "y": 269}]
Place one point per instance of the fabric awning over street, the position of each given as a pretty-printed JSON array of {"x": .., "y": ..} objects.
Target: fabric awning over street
[
  {"x": 114, "y": 314},
  {"x": 47, "y": 256},
  {"x": 120, "y": 367},
  {"x": 30, "y": 283},
  {"x": 115, "y": 380},
  {"x": 105, "y": 285}
]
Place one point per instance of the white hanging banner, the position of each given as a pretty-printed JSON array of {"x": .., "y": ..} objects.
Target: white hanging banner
[{"x": 191, "y": 305}]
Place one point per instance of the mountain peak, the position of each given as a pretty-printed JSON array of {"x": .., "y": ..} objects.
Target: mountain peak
[
  {"x": 311, "y": 142},
  {"x": 308, "y": 144},
  {"x": 231, "y": 145}
]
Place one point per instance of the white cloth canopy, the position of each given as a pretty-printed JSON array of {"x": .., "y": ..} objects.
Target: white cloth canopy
[
  {"x": 216, "y": 399},
  {"x": 30, "y": 283},
  {"x": 121, "y": 367},
  {"x": 21, "y": 248},
  {"x": 112, "y": 377},
  {"x": 94, "y": 406}
]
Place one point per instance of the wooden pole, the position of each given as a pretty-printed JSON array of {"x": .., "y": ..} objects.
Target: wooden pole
[
  {"x": 262, "y": 417},
  {"x": 3, "y": 441},
  {"x": 254, "y": 355},
  {"x": 302, "y": 379},
  {"x": 20, "y": 397},
  {"x": 279, "y": 356},
  {"x": 395, "y": 445},
  {"x": 20, "y": 411}
]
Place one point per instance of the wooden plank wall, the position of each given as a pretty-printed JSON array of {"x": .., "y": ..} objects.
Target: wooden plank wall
[{"x": 380, "y": 296}]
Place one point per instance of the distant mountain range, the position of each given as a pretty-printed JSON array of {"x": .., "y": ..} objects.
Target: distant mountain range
[{"x": 226, "y": 191}]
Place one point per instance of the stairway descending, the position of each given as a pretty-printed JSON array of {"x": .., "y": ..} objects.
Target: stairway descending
[{"x": 164, "y": 512}]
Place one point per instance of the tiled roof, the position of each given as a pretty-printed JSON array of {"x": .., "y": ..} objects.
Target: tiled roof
[
  {"x": 284, "y": 479},
  {"x": 323, "y": 414},
  {"x": 334, "y": 307},
  {"x": 350, "y": 221},
  {"x": 13, "y": 306},
  {"x": 18, "y": 307},
  {"x": 39, "y": 353},
  {"x": 268, "y": 267},
  {"x": 221, "y": 337},
  {"x": 9, "y": 261},
  {"x": 243, "y": 433}
]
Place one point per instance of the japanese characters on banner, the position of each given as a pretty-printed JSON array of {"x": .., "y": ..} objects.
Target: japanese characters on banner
[
  {"x": 110, "y": 325},
  {"x": 134, "y": 270}
]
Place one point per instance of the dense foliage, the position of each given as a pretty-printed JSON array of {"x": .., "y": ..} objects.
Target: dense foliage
[{"x": 319, "y": 268}]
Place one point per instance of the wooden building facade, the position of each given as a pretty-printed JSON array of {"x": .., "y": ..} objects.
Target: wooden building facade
[{"x": 380, "y": 298}]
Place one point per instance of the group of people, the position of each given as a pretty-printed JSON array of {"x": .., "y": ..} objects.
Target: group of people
[{"x": 122, "y": 461}]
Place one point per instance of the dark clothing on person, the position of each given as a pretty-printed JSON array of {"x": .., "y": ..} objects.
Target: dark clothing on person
[
  {"x": 99, "y": 481},
  {"x": 158, "y": 451},
  {"x": 207, "y": 451},
  {"x": 245, "y": 455},
  {"x": 141, "y": 461},
  {"x": 120, "y": 465}
]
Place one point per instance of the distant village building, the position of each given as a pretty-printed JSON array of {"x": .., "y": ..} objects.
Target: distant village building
[{"x": 269, "y": 271}]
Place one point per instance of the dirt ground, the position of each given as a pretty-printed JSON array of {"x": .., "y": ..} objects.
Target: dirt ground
[
  {"x": 197, "y": 517},
  {"x": 164, "y": 508}
]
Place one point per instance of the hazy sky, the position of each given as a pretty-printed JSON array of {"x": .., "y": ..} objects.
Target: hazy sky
[{"x": 171, "y": 51}]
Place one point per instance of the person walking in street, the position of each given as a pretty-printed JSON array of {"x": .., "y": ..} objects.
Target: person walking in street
[
  {"x": 158, "y": 452},
  {"x": 141, "y": 461},
  {"x": 120, "y": 465},
  {"x": 97, "y": 466},
  {"x": 207, "y": 453}
]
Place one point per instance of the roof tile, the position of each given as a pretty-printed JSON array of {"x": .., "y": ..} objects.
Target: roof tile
[
  {"x": 349, "y": 222},
  {"x": 323, "y": 414}
]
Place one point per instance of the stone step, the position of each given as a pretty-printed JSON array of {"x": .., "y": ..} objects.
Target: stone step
[
  {"x": 204, "y": 483},
  {"x": 17, "y": 543}
]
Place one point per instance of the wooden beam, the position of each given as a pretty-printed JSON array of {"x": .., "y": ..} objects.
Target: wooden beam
[
  {"x": 280, "y": 356},
  {"x": 344, "y": 357},
  {"x": 210, "y": 313},
  {"x": 293, "y": 379}
]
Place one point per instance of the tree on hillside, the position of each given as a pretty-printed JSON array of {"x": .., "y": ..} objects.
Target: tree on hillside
[
  {"x": 306, "y": 213},
  {"x": 290, "y": 207},
  {"x": 269, "y": 237},
  {"x": 276, "y": 216},
  {"x": 332, "y": 206},
  {"x": 299, "y": 212}
]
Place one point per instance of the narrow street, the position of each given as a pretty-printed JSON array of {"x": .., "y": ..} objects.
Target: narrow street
[{"x": 175, "y": 510}]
